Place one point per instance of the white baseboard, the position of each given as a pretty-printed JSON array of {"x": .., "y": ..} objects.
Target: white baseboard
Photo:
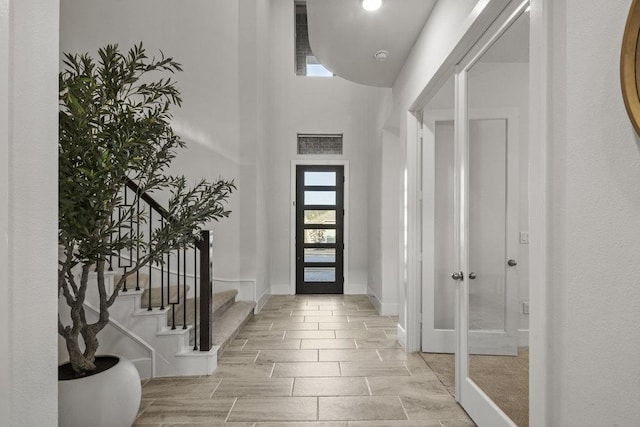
[
  {"x": 355, "y": 289},
  {"x": 262, "y": 300},
  {"x": 383, "y": 309},
  {"x": 281, "y": 289},
  {"x": 402, "y": 336},
  {"x": 523, "y": 337},
  {"x": 375, "y": 300},
  {"x": 390, "y": 309}
]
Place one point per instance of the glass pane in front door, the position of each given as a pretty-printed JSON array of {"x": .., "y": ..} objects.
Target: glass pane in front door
[{"x": 319, "y": 229}]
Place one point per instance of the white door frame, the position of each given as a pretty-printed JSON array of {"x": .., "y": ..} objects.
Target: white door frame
[
  {"x": 292, "y": 221},
  {"x": 541, "y": 19}
]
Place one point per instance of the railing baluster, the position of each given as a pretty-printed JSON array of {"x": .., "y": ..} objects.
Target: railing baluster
[
  {"x": 126, "y": 192},
  {"x": 149, "y": 288},
  {"x": 173, "y": 311},
  {"x": 184, "y": 284},
  {"x": 110, "y": 241},
  {"x": 195, "y": 297},
  {"x": 137, "y": 241},
  {"x": 206, "y": 294},
  {"x": 162, "y": 275}
]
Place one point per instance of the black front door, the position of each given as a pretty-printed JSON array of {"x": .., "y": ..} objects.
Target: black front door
[{"x": 319, "y": 229}]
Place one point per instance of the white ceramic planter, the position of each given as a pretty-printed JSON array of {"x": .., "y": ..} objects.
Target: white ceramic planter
[{"x": 107, "y": 399}]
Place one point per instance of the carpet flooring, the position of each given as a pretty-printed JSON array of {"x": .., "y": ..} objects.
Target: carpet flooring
[{"x": 505, "y": 379}]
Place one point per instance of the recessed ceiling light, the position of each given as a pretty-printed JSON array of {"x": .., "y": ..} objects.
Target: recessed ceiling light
[
  {"x": 381, "y": 55},
  {"x": 371, "y": 4}
]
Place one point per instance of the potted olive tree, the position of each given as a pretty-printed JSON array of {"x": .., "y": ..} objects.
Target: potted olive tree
[{"x": 114, "y": 127}]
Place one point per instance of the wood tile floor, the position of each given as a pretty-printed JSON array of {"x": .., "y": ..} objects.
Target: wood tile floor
[{"x": 313, "y": 360}]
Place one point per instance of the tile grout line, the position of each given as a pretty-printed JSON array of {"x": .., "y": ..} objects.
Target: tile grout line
[
  {"x": 148, "y": 406},
  {"x": 366, "y": 380},
  {"x": 406, "y": 414},
  {"x": 230, "y": 409},
  {"x": 215, "y": 389}
]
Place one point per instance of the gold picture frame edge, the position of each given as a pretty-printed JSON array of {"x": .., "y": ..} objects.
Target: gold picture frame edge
[{"x": 628, "y": 69}]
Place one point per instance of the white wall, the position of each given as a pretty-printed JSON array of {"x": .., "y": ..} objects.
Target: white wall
[
  {"x": 443, "y": 30},
  {"x": 594, "y": 223},
  {"x": 217, "y": 44},
  {"x": 5, "y": 136},
  {"x": 28, "y": 223},
  {"x": 374, "y": 209},
  {"x": 314, "y": 105},
  {"x": 263, "y": 75}
]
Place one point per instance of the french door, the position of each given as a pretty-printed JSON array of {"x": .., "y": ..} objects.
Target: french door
[
  {"x": 488, "y": 231},
  {"x": 319, "y": 229},
  {"x": 471, "y": 212}
]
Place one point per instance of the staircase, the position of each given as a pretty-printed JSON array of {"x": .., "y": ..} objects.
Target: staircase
[
  {"x": 157, "y": 320},
  {"x": 147, "y": 337},
  {"x": 229, "y": 315}
]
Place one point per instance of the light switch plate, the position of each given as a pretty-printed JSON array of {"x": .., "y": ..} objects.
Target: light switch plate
[{"x": 524, "y": 237}]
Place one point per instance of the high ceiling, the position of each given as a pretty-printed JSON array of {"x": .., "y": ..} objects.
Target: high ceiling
[{"x": 344, "y": 37}]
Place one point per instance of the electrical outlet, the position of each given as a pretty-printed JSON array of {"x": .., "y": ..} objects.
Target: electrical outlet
[
  {"x": 524, "y": 237},
  {"x": 525, "y": 307}
]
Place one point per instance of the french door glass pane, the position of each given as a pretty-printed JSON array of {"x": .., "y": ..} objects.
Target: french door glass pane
[
  {"x": 319, "y": 274},
  {"x": 319, "y": 255},
  {"x": 487, "y": 224},
  {"x": 320, "y": 179},
  {"x": 320, "y": 217},
  {"x": 319, "y": 235},
  {"x": 445, "y": 253},
  {"x": 320, "y": 198}
]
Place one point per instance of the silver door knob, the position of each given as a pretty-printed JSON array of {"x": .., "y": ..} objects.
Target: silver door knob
[
  {"x": 472, "y": 275},
  {"x": 458, "y": 275},
  {"x": 512, "y": 262}
]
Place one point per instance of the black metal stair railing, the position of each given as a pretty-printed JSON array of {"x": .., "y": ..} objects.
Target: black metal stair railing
[{"x": 169, "y": 282}]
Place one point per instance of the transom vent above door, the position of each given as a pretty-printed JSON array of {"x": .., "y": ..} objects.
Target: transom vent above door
[{"x": 320, "y": 143}]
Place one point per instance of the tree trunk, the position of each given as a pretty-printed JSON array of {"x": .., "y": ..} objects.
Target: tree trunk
[{"x": 79, "y": 362}]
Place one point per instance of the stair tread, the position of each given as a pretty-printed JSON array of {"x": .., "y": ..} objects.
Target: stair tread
[
  {"x": 157, "y": 297},
  {"x": 220, "y": 298},
  {"x": 221, "y": 302},
  {"x": 143, "y": 279},
  {"x": 228, "y": 325}
]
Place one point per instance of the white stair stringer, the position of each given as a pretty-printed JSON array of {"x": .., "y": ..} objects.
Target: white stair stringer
[{"x": 170, "y": 352}]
